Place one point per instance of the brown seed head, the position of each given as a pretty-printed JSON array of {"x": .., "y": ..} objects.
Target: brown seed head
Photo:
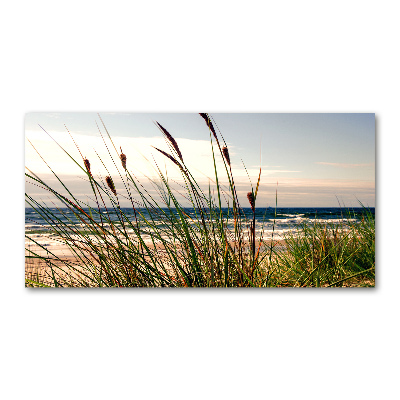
[
  {"x": 251, "y": 201},
  {"x": 209, "y": 123},
  {"x": 226, "y": 155},
  {"x": 171, "y": 140},
  {"x": 87, "y": 165},
  {"x": 169, "y": 156},
  {"x": 110, "y": 184},
  {"x": 123, "y": 160}
]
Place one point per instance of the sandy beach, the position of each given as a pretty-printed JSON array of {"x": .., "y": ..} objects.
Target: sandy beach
[{"x": 60, "y": 256}]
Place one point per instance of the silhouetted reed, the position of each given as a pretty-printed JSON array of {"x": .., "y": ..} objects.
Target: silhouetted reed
[
  {"x": 123, "y": 159},
  {"x": 110, "y": 184},
  {"x": 171, "y": 140},
  {"x": 226, "y": 155},
  {"x": 209, "y": 124},
  {"x": 87, "y": 165}
]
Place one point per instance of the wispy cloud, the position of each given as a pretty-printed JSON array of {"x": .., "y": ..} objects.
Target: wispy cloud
[
  {"x": 142, "y": 159},
  {"x": 140, "y": 152},
  {"x": 266, "y": 166},
  {"x": 344, "y": 165}
]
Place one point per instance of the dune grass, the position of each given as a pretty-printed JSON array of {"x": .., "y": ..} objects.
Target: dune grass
[
  {"x": 326, "y": 254},
  {"x": 166, "y": 245}
]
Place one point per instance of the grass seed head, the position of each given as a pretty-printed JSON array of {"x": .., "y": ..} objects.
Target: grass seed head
[
  {"x": 209, "y": 123},
  {"x": 250, "y": 197},
  {"x": 87, "y": 165},
  {"x": 110, "y": 184},
  {"x": 170, "y": 157},
  {"x": 171, "y": 140},
  {"x": 123, "y": 160},
  {"x": 226, "y": 155}
]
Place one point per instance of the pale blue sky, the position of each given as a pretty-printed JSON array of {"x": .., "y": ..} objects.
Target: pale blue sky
[{"x": 314, "y": 157}]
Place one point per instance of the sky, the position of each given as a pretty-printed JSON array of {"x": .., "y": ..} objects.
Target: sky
[{"x": 311, "y": 160}]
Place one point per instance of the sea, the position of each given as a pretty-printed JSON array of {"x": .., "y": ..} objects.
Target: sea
[{"x": 270, "y": 222}]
